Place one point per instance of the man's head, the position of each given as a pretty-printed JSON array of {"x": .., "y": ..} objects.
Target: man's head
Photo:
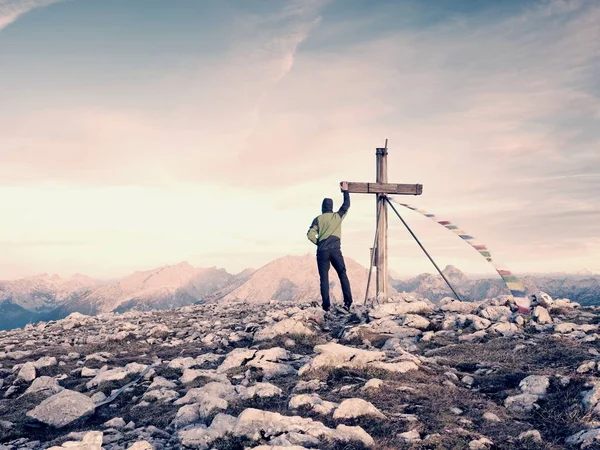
[{"x": 327, "y": 205}]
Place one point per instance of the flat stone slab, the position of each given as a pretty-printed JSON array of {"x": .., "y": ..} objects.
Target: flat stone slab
[
  {"x": 63, "y": 409},
  {"x": 46, "y": 386}
]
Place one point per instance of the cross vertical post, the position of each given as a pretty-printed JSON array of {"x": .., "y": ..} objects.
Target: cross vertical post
[
  {"x": 381, "y": 188},
  {"x": 382, "y": 244}
]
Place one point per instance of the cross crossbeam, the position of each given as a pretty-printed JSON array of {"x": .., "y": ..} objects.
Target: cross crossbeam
[
  {"x": 381, "y": 189},
  {"x": 385, "y": 188}
]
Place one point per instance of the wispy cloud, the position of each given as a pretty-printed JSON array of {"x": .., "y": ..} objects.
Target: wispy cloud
[
  {"x": 11, "y": 10},
  {"x": 497, "y": 116}
]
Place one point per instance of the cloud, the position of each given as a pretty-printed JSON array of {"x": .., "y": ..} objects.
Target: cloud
[
  {"x": 497, "y": 116},
  {"x": 211, "y": 115},
  {"x": 11, "y": 10},
  {"x": 516, "y": 94}
]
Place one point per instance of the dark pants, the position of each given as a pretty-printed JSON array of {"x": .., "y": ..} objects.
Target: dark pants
[{"x": 333, "y": 257}]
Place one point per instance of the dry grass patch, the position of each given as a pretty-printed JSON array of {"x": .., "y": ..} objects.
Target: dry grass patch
[
  {"x": 336, "y": 375},
  {"x": 159, "y": 414},
  {"x": 230, "y": 442},
  {"x": 559, "y": 355},
  {"x": 277, "y": 404},
  {"x": 561, "y": 412},
  {"x": 422, "y": 394}
]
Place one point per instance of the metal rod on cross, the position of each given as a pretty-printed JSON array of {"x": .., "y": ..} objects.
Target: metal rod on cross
[
  {"x": 424, "y": 250},
  {"x": 381, "y": 188}
]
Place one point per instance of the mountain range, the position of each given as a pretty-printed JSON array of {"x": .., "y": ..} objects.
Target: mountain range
[
  {"x": 287, "y": 279},
  {"x": 584, "y": 290},
  {"x": 47, "y": 297}
]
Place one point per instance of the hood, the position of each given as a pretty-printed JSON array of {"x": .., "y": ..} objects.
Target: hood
[{"x": 327, "y": 205}]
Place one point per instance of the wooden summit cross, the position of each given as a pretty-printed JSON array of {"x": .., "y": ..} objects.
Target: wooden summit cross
[{"x": 381, "y": 188}]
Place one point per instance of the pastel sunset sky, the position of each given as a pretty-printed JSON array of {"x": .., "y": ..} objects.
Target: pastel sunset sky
[{"x": 138, "y": 133}]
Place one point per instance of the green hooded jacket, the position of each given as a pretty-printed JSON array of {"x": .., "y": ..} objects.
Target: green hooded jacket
[{"x": 326, "y": 230}]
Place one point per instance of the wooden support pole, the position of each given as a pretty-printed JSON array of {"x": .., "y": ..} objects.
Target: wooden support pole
[{"x": 382, "y": 245}]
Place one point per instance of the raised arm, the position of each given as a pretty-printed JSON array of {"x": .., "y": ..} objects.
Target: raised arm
[
  {"x": 313, "y": 232},
  {"x": 346, "y": 205}
]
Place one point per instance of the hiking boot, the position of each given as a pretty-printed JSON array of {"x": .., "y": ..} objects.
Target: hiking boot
[
  {"x": 347, "y": 306},
  {"x": 341, "y": 311}
]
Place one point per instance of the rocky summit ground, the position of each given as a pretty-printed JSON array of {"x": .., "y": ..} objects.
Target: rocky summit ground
[{"x": 410, "y": 375}]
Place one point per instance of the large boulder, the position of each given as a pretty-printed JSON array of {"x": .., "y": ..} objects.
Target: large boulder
[
  {"x": 63, "y": 409},
  {"x": 45, "y": 386},
  {"x": 187, "y": 362},
  {"x": 186, "y": 415},
  {"x": 117, "y": 374},
  {"x": 27, "y": 372},
  {"x": 450, "y": 305},
  {"x": 236, "y": 358},
  {"x": 190, "y": 375},
  {"x": 285, "y": 327},
  {"x": 395, "y": 367},
  {"x": 268, "y": 361},
  {"x": 312, "y": 402},
  {"x": 354, "y": 408},
  {"x": 505, "y": 328},
  {"x": 45, "y": 361},
  {"x": 202, "y": 437},
  {"x": 334, "y": 355},
  {"x": 541, "y": 315},
  {"x": 182, "y": 363},
  {"x": 522, "y": 402},
  {"x": 535, "y": 384},
  {"x": 74, "y": 320},
  {"x": 90, "y": 441},
  {"x": 384, "y": 326},
  {"x": 260, "y": 390},
  {"x": 256, "y": 424},
  {"x": 592, "y": 397},
  {"x": 585, "y": 438},
  {"x": 160, "y": 395},
  {"x": 400, "y": 308},
  {"x": 415, "y": 321},
  {"x": 542, "y": 299},
  {"x": 496, "y": 313},
  {"x": 455, "y": 321},
  {"x": 225, "y": 391}
]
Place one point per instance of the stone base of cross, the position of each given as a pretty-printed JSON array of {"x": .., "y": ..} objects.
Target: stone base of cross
[{"x": 381, "y": 188}]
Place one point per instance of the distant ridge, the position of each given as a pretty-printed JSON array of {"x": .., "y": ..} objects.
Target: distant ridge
[
  {"x": 287, "y": 279},
  {"x": 295, "y": 278}
]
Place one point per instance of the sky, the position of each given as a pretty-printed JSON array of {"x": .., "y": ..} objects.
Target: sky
[{"x": 140, "y": 133}]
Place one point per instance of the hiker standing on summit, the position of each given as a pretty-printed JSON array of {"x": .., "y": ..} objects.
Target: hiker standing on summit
[{"x": 326, "y": 232}]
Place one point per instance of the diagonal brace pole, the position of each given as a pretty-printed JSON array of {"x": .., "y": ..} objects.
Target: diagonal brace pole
[
  {"x": 423, "y": 248},
  {"x": 372, "y": 257}
]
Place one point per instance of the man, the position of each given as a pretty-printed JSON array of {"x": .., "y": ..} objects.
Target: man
[{"x": 326, "y": 232}]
